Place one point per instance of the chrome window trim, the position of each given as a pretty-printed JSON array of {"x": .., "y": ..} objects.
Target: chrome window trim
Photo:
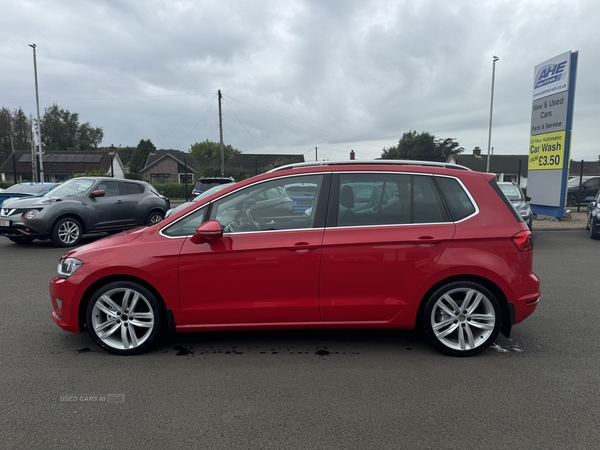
[{"x": 295, "y": 175}]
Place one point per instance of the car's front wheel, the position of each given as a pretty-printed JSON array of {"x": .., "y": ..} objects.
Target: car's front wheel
[
  {"x": 66, "y": 232},
  {"x": 571, "y": 200},
  {"x": 462, "y": 318},
  {"x": 123, "y": 318}
]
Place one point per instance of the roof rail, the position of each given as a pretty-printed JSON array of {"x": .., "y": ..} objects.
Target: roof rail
[{"x": 402, "y": 162}]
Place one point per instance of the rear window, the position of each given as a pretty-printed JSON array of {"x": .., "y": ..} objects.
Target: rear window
[
  {"x": 458, "y": 201},
  {"x": 133, "y": 188},
  {"x": 204, "y": 185}
]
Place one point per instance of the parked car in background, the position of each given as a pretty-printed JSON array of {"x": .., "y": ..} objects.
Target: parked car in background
[
  {"x": 206, "y": 193},
  {"x": 439, "y": 247},
  {"x": 157, "y": 193},
  {"x": 589, "y": 187},
  {"x": 205, "y": 183},
  {"x": 25, "y": 190},
  {"x": 519, "y": 200},
  {"x": 593, "y": 215},
  {"x": 79, "y": 206}
]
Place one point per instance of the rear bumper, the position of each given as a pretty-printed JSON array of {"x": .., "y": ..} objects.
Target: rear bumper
[{"x": 525, "y": 306}]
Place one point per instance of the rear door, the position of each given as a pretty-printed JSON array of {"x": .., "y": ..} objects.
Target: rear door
[{"x": 384, "y": 234}]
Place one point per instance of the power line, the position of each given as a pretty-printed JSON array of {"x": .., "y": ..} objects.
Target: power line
[{"x": 108, "y": 98}]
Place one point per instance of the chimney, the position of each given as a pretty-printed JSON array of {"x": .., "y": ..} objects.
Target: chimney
[
  {"x": 352, "y": 155},
  {"x": 153, "y": 150},
  {"x": 477, "y": 151}
]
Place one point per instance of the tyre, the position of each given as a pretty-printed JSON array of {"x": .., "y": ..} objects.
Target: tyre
[
  {"x": 123, "y": 318},
  {"x": 462, "y": 318},
  {"x": 66, "y": 232},
  {"x": 571, "y": 200},
  {"x": 593, "y": 230},
  {"x": 154, "y": 217},
  {"x": 21, "y": 240}
]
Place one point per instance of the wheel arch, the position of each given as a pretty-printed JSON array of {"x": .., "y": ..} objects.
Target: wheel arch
[
  {"x": 87, "y": 295},
  {"x": 506, "y": 310},
  {"x": 71, "y": 215}
]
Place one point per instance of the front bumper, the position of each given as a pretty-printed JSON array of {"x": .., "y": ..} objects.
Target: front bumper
[
  {"x": 65, "y": 307},
  {"x": 16, "y": 225}
]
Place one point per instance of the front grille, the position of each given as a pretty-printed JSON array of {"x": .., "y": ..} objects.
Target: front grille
[{"x": 5, "y": 212}]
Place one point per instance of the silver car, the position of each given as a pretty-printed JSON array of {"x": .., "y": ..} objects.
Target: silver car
[{"x": 79, "y": 206}]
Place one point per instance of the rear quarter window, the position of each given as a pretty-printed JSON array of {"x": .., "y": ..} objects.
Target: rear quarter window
[
  {"x": 133, "y": 188},
  {"x": 458, "y": 201}
]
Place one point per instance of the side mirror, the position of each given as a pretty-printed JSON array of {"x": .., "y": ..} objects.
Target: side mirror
[
  {"x": 589, "y": 199},
  {"x": 99, "y": 193},
  {"x": 207, "y": 231},
  {"x": 528, "y": 198}
]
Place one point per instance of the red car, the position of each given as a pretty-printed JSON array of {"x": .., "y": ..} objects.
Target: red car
[{"x": 385, "y": 244}]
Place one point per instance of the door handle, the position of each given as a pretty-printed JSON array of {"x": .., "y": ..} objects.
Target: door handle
[
  {"x": 303, "y": 247},
  {"x": 119, "y": 202},
  {"x": 425, "y": 240}
]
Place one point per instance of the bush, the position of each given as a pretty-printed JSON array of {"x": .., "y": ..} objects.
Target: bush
[
  {"x": 174, "y": 190},
  {"x": 5, "y": 184}
]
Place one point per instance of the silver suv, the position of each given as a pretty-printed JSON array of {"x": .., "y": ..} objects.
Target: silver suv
[{"x": 79, "y": 206}]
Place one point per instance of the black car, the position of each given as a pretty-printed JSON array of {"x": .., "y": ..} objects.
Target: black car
[
  {"x": 79, "y": 206},
  {"x": 205, "y": 183},
  {"x": 589, "y": 188}
]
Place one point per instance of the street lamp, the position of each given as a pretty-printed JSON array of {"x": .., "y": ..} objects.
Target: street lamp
[
  {"x": 495, "y": 58},
  {"x": 37, "y": 101}
]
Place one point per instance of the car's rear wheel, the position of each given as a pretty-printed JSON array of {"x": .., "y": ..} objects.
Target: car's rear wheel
[
  {"x": 66, "y": 232},
  {"x": 462, "y": 318},
  {"x": 124, "y": 318},
  {"x": 571, "y": 200},
  {"x": 21, "y": 240},
  {"x": 154, "y": 217}
]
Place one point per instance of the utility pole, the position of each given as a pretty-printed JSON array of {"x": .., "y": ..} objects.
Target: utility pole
[
  {"x": 494, "y": 59},
  {"x": 34, "y": 176},
  {"x": 39, "y": 123},
  {"x": 221, "y": 133},
  {"x": 316, "y": 156}
]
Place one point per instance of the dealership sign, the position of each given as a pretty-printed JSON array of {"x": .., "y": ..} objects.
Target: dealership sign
[{"x": 550, "y": 133}]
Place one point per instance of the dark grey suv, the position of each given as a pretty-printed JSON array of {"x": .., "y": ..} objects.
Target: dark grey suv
[{"x": 79, "y": 206}]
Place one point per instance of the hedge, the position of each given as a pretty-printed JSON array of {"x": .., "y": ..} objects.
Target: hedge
[{"x": 174, "y": 190}]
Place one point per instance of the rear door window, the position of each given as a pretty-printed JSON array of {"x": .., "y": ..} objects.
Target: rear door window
[{"x": 387, "y": 199}]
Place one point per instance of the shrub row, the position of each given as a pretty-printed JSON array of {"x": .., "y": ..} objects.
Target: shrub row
[{"x": 174, "y": 190}]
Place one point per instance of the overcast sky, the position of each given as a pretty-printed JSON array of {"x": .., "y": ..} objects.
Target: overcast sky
[{"x": 333, "y": 74}]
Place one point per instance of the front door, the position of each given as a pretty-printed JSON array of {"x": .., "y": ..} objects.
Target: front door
[{"x": 263, "y": 270}]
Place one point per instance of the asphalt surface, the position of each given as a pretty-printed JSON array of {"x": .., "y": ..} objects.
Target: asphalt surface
[{"x": 305, "y": 389}]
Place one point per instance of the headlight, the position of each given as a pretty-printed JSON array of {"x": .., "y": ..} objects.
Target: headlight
[
  {"x": 68, "y": 266},
  {"x": 30, "y": 214}
]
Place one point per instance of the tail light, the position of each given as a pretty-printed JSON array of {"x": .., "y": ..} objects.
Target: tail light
[{"x": 522, "y": 241}]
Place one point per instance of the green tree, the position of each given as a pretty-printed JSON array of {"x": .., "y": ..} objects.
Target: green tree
[
  {"x": 208, "y": 156},
  {"x": 61, "y": 130},
  {"x": 16, "y": 125},
  {"x": 140, "y": 156},
  {"x": 5, "y": 132},
  {"x": 423, "y": 146}
]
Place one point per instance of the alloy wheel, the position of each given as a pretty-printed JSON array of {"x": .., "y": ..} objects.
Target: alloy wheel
[
  {"x": 123, "y": 318},
  {"x": 462, "y": 318}
]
